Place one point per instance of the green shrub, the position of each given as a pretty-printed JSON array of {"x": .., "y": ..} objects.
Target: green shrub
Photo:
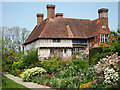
[
  {"x": 73, "y": 68},
  {"x": 80, "y": 63},
  {"x": 35, "y": 64},
  {"x": 18, "y": 65},
  {"x": 8, "y": 57},
  {"x": 29, "y": 73},
  {"x": 93, "y": 52},
  {"x": 52, "y": 65},
  {"x": 30, "y": 58},
  {"x": 99, "y": 56},
  {"x": 15, "y": 72}
]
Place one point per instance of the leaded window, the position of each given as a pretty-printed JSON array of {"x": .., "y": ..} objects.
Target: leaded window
[{"x": 104, "y": 38}]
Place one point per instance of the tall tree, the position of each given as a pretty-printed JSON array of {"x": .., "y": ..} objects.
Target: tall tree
[
  {"x": 24, "y": 36},
  {"x": 13, "y": 38}
]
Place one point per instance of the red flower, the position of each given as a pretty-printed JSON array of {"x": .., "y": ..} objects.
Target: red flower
[
  {"x": 42, "y": 83},
  {"x": 49, "y": 78},
  {"x": 57, "y": 75},
  {"x": 49, "y": 85}
]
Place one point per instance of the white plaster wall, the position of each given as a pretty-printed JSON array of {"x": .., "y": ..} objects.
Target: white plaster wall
[
  {"x": 48, "y": 43},
  {"x": 44, "y": 52},
  {"x": 68, "y": 53}
]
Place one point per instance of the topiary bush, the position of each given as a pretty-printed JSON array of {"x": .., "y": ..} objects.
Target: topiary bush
[{"x": 93, "y": 52}]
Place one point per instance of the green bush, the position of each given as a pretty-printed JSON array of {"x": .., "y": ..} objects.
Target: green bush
[
  {"x": 18, "y": 65},
  {"x": 15, "y": 72},
  {"x": 35, "y": 64},
  {"x": 93, "y": 52},
  {"x": 8, "y": 57},
  {"x": 99, "y": 56},
  {"x": 52, "y": 65},
  {"x": 80, "y": 63},
  {"x": 29, "y": 73},
  {"x": 73, "y": 68},
  {"x": 30, "y": 58}
]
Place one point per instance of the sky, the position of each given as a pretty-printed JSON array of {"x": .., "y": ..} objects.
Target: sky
[{"x": 23, "y": 14}]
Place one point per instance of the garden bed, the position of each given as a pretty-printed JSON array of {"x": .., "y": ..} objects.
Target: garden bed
[{"x": 76, "y": 74}]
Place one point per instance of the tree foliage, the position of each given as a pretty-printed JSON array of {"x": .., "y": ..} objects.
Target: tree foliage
[
  {"x": 11, "y": 45},
  {"x": 13, "y": 38}
]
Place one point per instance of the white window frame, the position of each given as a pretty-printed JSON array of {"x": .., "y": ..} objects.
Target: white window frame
[
  {"x": 104, "y": 26},
  {"x": 103, "y": 38}
]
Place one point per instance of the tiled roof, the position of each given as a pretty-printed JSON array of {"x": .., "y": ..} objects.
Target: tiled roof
[{"x": 66, "y": 28}]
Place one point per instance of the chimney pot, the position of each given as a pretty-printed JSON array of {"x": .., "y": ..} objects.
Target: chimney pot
[
  {"x": 50, "y": 10},
  {"x": 103, "y": 12},
  {"x": 59, "y": 15},
  {"x": 39, "y": 18}
]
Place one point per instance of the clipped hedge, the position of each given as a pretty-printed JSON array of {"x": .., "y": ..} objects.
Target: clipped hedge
[{"x": 93, "y": 52}]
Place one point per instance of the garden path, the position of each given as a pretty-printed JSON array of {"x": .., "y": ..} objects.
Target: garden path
[{"x": 27, "y": 84}]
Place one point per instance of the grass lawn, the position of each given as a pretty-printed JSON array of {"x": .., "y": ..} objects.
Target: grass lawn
[{"x": 11, "y": 84}]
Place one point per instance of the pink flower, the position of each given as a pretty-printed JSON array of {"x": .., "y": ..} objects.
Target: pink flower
[
  {"x": 77, "y": 57},
  {"x": 86, "y": 51},
  {"x": 100, "y": 77}
]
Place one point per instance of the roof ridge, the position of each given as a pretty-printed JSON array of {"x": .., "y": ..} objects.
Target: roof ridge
[{"x": 77, "y": 19}]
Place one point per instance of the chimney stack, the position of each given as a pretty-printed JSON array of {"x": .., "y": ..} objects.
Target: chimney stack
[
  {"x": 39, "y": 18},
  {"x": 59, "y": 15},
  {"x": 103, "y": 13},
  {"x": 50, "y": 10}
]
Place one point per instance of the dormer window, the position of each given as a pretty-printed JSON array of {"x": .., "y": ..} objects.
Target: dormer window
[
  {"x": 104, "y": 38},
  {"x": 104, "y": 26}
]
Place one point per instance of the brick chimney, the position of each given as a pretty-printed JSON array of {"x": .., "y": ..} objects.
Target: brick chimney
[
  {"x": 103, "y": 14},
  {"x": 50, "y": 11},
  {"x": 59, "y": 15},
  {"x": 39, "y": 18}
]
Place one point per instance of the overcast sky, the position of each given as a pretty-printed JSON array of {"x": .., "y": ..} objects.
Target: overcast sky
[{"x": 23, "y": 14}]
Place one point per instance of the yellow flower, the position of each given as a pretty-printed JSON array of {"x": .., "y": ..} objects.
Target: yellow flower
[
  {"x": 85, "y": 85},
  {"x": 21, "y": 75}
]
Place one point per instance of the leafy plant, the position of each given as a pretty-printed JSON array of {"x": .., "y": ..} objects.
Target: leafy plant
[
  {"x": 8, "y": 57},
  {"x": 52, "y": 65},
  {"x": 29, "y": 73},
  {"x": 30, "y": 58}
]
